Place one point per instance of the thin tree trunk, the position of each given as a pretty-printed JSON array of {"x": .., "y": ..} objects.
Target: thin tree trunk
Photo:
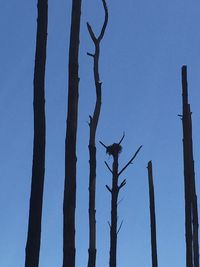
[
  {"x": 152, "y": 216},
  {"x": 114, "y": 150},
  {"x": 69, "y": 203},
  {"x": 194, "y": 196},
  {"x": 38, "y": 167},
  {"x": 114, "y": 200},
  {"x": 92, "y": 141},
  {"x": 191, "y": 210}
]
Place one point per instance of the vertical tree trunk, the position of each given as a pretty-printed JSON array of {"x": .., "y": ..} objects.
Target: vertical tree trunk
[
  {"x": 38, "y": 166},
  {"x": 152, "y": 216},
  {"x": 113, "y": 226},
  {"x": 192, "y": 239},
  {"x": 69, "y": 203},
  {"x": 92, "y": 142},
  {"x": 114, "y": 150}
]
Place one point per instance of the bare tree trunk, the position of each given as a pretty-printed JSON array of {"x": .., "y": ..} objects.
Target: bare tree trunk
[
  {"x": 114, "y": 150},
  {"x": 192, "y": 242},
  {"x": 92, "y": 140},
  {"x": 152, "y": 216},
  {"x": 38, "y": 166},
  {"x": 69, "y": 204}
]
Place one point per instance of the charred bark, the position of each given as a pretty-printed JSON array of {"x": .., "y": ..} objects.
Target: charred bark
[
  {"x": 152, "y": 216},
  {"x": 92, "y": 141},
  {"x": 38, "y": 165},
  {"x": 191, "y": 210},
  {"x": 69, "y": 204},
  {"x": 114, "y": 150}
]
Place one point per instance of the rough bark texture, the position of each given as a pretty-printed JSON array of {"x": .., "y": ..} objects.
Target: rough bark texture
[
  {"x": 69, "y": 204},
  {"x": 38, "y": 166},
  {"x": 92, "y": 142},
  {"x": 152, "y": 216},
  {"x": 191, "y": 210}
]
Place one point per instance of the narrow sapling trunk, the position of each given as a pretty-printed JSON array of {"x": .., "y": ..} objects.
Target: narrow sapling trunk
[
  {"x": 69, "y": 203},
  {"x": 92, "y": 141},
  {"x": 152, "y": 216},
  {"x": 114, "y": 150},
  {"x": 38, "y": 165},
  {"x": 191, "y": 208}
]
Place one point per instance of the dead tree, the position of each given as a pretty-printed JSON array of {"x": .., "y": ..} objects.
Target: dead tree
[
  {"x": 69, "y": 204},
  {"x": 92, "y": 139},
  {"x": 38, "y": 165},
  {"x": 152, "y": 216},
  {"x": 114, "y": 150},
  {"x": 191, "y": 210}
]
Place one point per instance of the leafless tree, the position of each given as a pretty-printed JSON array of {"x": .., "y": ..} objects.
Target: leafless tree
[
  {"x": 152, "y": 216},
  {"x": 114, "y": 150},
  {"x": 69, "y": 204},
  {"x": 38, "y": 166},
  {"x": 191, "y": 210},
  {"x": 92, "y": 139}
]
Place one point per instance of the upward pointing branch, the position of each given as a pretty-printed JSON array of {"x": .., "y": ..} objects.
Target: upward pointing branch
[{"x": 130, "y": 161}]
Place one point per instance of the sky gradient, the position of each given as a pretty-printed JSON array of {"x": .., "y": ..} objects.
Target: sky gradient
[{"x": 142, "y": 52}]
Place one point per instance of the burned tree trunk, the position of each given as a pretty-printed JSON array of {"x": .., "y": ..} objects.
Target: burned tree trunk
[
  {"x": 38, "y": 166},
  {"x": 92, "y": 141},
  {"x": 69, "y": 203},
  {"x": 152, "y": 216},
  {"x": 191, "y": 210},
  {"x": 114, "y": 150}
]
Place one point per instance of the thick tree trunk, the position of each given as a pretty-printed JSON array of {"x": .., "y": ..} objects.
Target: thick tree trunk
[
  {"x": 152, "y": 216},
  {"x": 38, "y": 167},
  {"x": 69, "y": 203}
]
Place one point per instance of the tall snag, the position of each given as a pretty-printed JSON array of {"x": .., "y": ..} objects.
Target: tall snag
[
  {"x": 114, "y": 150},
  {"x": 38, "y": 165},
  {"x": 92, "y": 140},
  {"x": 152, "y": 216},
  {"x": 69, "y": 204},
  {"x": 191, "y": 210}
]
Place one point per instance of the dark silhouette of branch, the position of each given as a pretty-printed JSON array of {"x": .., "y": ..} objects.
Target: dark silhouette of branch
[
  {"x": 38, "y": 165},
  {"x": 120, "y": 227},
  {"x": 121, "y": 139},
  {"x": 130, "y": 161},
  {"x": 109, "y": 189},
  {"x": 108, "y": 166},
  {"x": 69, "y": 203}
]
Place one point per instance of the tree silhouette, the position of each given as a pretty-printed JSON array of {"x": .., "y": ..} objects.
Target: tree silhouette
[
  {"x": 191, "y": 209},
  {"x": 69, "y": 203},
  {"x": 92, "y": 139},
  {"x": 152, "y": 216},
  {"x": 38, "y": 165},
  {"x": 114, "y": 150}
]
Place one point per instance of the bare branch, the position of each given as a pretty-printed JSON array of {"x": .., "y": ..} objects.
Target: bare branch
[
  {"x": 92, "y": 35},
  {"x": 120, "y": 227},
  {"x": 103, "y": 144},
  {"x": 105, "y": 21},
  {"x": 123, "y": 183},
  {"x": 120, "y": 201},
  {"x": 130, "y": 161},
  {"x": 90, "y": 54},
  {"x": 108, "y": 167},
  {"x": 109, "y": 189},
  {"x": 122, "y": 138}
]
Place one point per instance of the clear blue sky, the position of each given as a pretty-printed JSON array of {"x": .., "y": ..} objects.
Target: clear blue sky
[{"x": 145, "y": 45}]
